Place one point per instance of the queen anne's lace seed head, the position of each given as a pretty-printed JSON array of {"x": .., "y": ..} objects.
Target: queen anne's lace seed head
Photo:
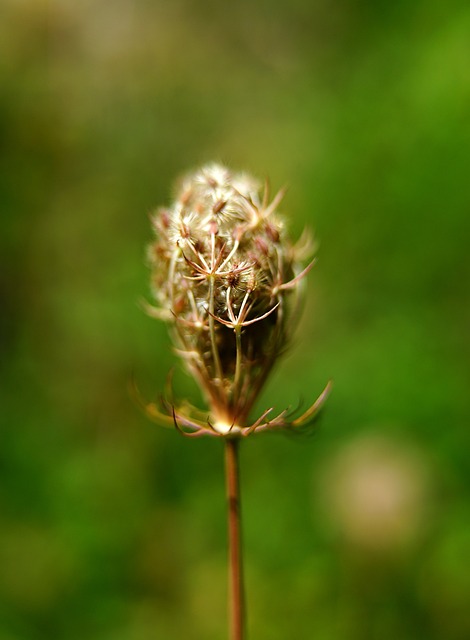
[{"x": 227, "y": 278}]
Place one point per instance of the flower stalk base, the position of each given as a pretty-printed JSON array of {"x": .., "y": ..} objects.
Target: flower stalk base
[{"x": 236, "y": 591}]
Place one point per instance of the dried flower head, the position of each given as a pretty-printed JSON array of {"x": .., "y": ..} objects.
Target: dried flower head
[{"x": 227, "y": 279}]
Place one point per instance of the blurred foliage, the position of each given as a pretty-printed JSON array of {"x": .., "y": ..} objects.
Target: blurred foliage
[{"x": 112, "y": 529}]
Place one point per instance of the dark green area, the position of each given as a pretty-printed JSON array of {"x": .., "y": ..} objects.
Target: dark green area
[{"x": 114, "y": 529}]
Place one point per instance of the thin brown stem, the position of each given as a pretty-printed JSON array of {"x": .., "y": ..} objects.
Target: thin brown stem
[{"x": 236, "y": 595}]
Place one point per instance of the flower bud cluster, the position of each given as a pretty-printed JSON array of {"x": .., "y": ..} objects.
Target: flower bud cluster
[{"x": 225, "y": 276}]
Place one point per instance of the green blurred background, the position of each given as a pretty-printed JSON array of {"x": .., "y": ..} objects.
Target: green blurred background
[{"x": 114, "y": 529}]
